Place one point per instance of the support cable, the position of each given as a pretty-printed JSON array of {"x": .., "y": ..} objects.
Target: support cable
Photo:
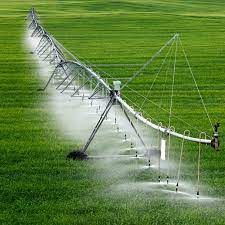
[
  {"x": 186, "y": 132},
  {"x": 199, "y": 161},
  {"x": 166, "y": 78},
  {"x": 149, "y": 61},
  {"x": 157, "y": 74},
  {"x": 170, "y": 112},
  {"x": 196, "y": 85},
  {"x": 140, "y": 95}
]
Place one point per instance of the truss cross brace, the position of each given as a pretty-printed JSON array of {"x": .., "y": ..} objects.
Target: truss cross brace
[
  {"x": 69, "y": 83},
  {"x": 50, "y": 78},
  {"x": 67, "y": 76},
  {"x": 79, "y": 88},
  {"x": 97, "y": 89}
]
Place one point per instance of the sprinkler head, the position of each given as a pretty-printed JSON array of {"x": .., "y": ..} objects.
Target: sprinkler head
[
  {"x": 159, "y": 179},
  {"x": 215, "y": 143},
  {"x": 197, "y": 194}
]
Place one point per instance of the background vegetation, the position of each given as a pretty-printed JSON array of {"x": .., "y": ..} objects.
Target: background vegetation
[{"x": 38, "y": 186}]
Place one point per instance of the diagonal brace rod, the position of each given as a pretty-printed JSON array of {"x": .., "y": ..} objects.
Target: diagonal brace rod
[
  {"x": 67, "y": 76},
  {"x": 81, "y": 86},
  {"x": 96, "y": 90},
  {"x": 134, "y": 128},
  {"x": 103, "y": 116},
  {"x": 69, "y": 83}
]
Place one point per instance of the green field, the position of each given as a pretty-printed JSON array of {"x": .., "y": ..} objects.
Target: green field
[{"x": 37, "y": 184}]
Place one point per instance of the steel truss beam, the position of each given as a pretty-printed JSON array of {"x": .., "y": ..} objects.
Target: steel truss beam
[
  {"x": 67, "y": 75},
  {"x": 59, "y": 58}
]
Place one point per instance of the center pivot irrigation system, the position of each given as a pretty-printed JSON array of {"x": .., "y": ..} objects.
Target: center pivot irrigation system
[{"x": 71, "y": 71}]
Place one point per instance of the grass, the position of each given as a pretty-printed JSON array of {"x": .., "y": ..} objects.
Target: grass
[{"x": 38, "y": 186}]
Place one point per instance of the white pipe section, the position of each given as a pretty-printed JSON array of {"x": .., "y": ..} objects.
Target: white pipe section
[{"x": 162, "y": 129}]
